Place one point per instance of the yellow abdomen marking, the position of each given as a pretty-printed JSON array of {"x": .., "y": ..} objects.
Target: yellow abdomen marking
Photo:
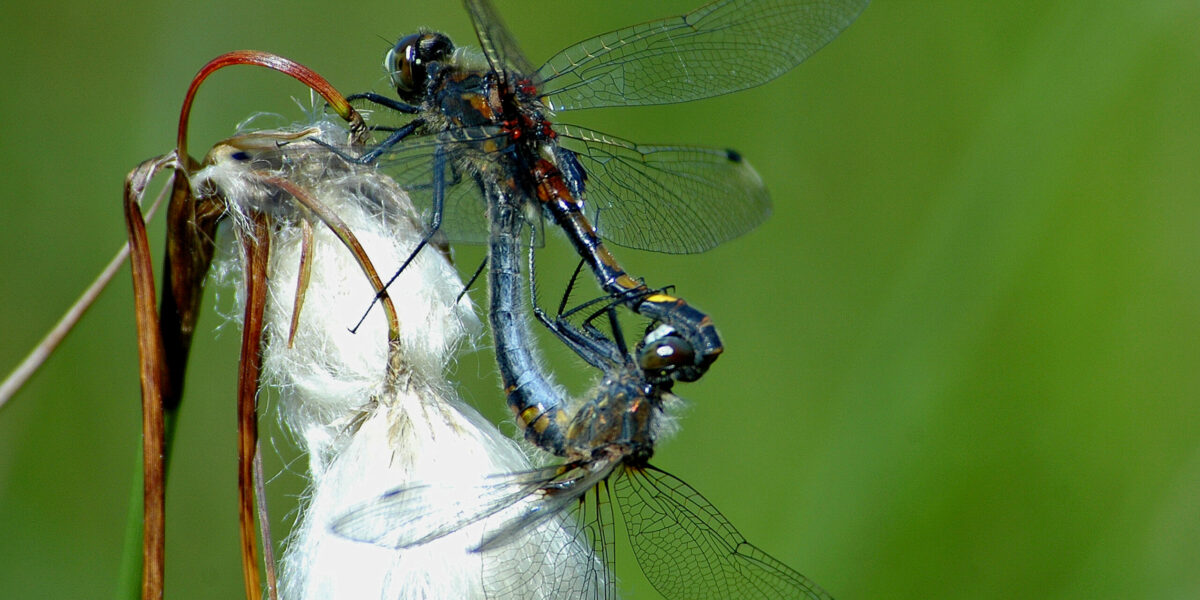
[{"x": 661, "y": 298}]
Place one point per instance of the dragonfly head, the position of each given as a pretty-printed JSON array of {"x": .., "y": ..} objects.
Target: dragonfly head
[{"x": 409, "y": 60}]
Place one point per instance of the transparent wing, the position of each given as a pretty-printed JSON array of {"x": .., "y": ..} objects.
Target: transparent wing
[
  {"x": 498, "y": 44},
  {"x": 412, "y": 164},
  {"x": 558, "y": 493},
  {"x": 688, "y": 549},
  {"x": 413, "y": 515},
  {"x": 721, "y": 47},
  {"x": 543, "y": 536},
  {"x": 673, "y": 199},
  {"x": 567, "y": 558}
]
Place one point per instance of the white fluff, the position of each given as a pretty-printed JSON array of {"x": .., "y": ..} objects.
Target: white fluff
[{"x": 363, "y": 440}]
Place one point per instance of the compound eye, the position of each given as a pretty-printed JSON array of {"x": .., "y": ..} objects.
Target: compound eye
[
  {"x": 408, "y": 61},
  {"x": 668, "y": 354}
]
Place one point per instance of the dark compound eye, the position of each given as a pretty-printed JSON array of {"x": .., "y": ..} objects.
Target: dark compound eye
[
  {"x": 408, "y": 62},
  {"x": 668, "y": 354}
]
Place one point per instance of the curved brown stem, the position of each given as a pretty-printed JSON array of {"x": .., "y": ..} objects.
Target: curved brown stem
[{"x": 256, "y": 248}]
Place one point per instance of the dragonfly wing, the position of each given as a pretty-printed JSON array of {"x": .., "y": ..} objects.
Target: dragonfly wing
[
  {"x": 498, "y": 43},
  {"x": 413, "y": 164},
  {"x": 721, "y": 47},
  {"x": 555, "y": 558},
  {"x": 688, "y": 549},
  {"x": 673, "y": 199},
  {"x": 416, "y": 514}
]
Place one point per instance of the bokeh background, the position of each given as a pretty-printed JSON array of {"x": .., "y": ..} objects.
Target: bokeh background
[{"x": 962, "y": 356}]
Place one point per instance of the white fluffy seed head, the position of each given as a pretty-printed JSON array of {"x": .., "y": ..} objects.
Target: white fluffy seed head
[
  {"x": 329, "y": 371},
  {"x": 363, "y": 436}
]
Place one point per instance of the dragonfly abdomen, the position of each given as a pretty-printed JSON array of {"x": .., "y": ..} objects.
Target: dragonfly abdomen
[
  {"x": 689, "y": 325},
  {"x": 535, "y": 401}
]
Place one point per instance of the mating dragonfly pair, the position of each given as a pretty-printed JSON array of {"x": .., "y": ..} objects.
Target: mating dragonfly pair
[{"x": 482, "y": 130}]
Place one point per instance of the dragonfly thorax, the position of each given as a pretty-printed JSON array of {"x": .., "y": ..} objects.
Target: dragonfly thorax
[{"x": 619, "y": 423}]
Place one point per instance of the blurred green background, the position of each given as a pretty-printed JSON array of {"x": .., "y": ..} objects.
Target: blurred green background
[{"x": 962, "y": 356}]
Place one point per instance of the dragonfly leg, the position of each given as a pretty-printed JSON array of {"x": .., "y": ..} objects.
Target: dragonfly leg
[
  {"x": 435, "y": 223},
  {"x": 589, "y": 343},
  {"x": 435, "y": 217},
  {"x": 385, "y": 102},
  {"x": 470, "y": 282},
  {"x": 370, "y": 156},
  {"x": 393, "y": 139}
]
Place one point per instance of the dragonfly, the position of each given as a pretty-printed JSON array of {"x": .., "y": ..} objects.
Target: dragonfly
[
  {"x": 477, "y": 126},
  {"x": 685, "y": 547}
]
